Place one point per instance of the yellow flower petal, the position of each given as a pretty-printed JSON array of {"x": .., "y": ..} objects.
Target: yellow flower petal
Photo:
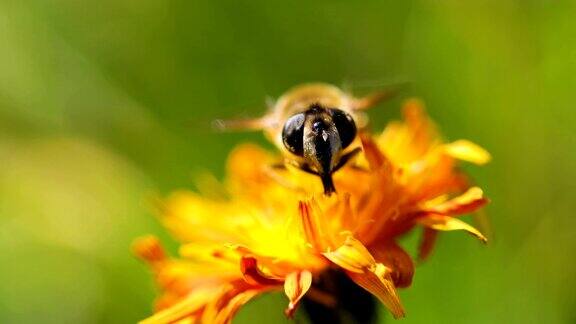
[
  {"x": 379, "y": 282},
  {"x": 226, "y": 314},
  {"x": 447, "y": 223},
  {"x": 352, "y": 256},
  {"x": 183, "y": 308},
  {"x": 469, "y": 201},
  {"x": 467, "y": 151},
  {"x": 397, "y": 260},
  {"x": 362, "y": 268},
  {"x": 309, "y": 225},
  {"x": 296, "y": 285}
]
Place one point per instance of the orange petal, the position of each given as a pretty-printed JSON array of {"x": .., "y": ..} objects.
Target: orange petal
[
  {"x": 149, "y": 249},
  {"x": 468, "y": 202},
  {"x": 379, "y": 282},
  {"x": 373, "y": 155},
  {"x": 397, "y": 260},
  {"x": 352, "y": 256},
  {"x": 308, "y": 225},
  {"x": 313, "y": 224},
  {"x": 221, "y": 308},
  {"x": 421, "y": 129},
  {"x": 296, "y": 285},
  {"x": 413, "y": 111},
  {"x": 467, "y": 151},
  {"x": 447, "y": 223},
  {"x": 253, "y": 275},
  {"x": 362, "y": 268},
  {"x": 189, "y": 305},
  {"x": 226, "y": 314},
  {"x": 427, "y": 242},
  {"x": 209, "y": 252}
]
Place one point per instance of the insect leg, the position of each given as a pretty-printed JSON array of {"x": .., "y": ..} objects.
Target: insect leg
[
  {"x": 302, "y": 166},
  {"x": 347, "y": 157}
]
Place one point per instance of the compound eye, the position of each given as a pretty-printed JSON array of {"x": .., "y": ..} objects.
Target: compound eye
[
  {"x": 293, "y": 134},
  {"x": 345, "y": 125}
]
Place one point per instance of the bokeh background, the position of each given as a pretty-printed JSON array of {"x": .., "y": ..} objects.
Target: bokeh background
[{"x": 104, "y": 104}]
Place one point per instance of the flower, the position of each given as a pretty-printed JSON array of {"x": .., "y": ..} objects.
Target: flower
[{"x": 267, "y": 229}]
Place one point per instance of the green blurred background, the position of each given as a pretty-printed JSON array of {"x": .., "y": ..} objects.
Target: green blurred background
[{"x": 105, "y": 103}]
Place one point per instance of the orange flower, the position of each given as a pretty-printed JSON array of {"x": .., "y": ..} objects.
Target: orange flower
[{"x": 274, "y": 229}]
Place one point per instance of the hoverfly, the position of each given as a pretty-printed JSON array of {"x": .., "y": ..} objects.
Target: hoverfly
[{"x": 314, "y": 125}]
